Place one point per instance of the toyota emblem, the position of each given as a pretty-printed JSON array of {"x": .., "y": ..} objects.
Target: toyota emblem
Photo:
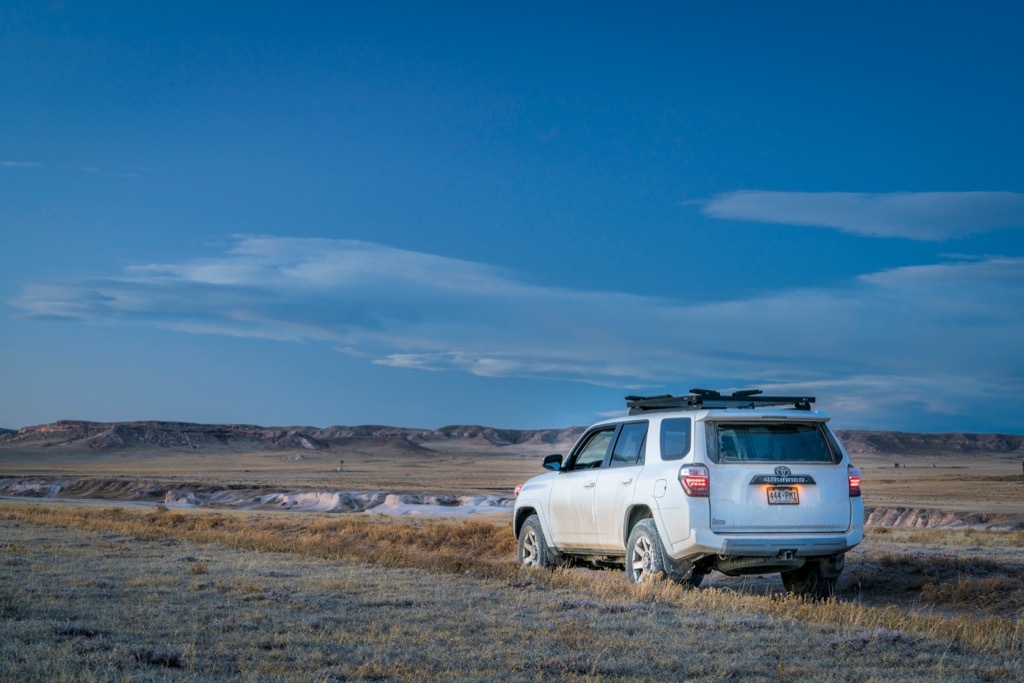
[{"x": 783, "y": 471}]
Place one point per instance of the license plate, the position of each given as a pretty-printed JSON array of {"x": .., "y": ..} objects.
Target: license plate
[{"x": 779, "y": 495}]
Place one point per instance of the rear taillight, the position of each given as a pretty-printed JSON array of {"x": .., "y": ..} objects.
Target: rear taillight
[
  {"x": 854, "y": 473},
  {"x": 696, "y": 480},
  {"x": 519, "y": 487}
]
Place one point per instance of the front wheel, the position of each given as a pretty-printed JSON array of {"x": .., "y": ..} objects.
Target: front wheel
[
  {"x": 809, "y": 582},
  {"x": 533, "y": 549},
  {"x": 645, "y": 558}
]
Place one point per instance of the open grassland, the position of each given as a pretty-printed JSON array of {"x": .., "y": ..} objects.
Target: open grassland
[
  {"x": 96, "y": 593},
  {"x": 978, "y": 482},
  {"x": 382, "y": 468}
]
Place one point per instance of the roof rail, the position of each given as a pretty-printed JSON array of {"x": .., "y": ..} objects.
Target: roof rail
[{"x": 709, "y": 398}]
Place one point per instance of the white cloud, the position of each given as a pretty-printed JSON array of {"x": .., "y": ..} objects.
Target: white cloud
[
  {"x": 894, "y": 401},
  {"x": 899, "y": 329},
  {"x": 90, "y": 170},
  {"x": 325, "y": 264},
  {"x": 926, "y": 216}
]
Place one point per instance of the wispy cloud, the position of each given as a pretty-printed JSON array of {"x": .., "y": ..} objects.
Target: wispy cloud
[
  {"x": 927, "y": 216},
  {"x": 132, "y": 172},
  {"x": 905, "y": 328}
]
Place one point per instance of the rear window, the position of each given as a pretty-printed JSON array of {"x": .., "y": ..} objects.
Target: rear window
[{"x": 769, "y": 442}]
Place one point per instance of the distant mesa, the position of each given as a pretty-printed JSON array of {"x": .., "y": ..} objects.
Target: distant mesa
[
  {"x": 177, "y": 435},
  {"x": 909, "y": 443},
  {"x": 78, "y": 434}
]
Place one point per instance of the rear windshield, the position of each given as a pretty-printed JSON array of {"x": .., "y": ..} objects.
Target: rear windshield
[{"x": 770, "y": 442}]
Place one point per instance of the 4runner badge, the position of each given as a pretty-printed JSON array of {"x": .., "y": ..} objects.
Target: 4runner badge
[{"x": 783, "y": 475}]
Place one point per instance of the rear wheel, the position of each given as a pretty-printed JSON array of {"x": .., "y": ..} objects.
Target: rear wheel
[
  {"x": 533, "y": 549},
  {"x": 645, "y": 557},
  {"x": 808, "y": 581}
]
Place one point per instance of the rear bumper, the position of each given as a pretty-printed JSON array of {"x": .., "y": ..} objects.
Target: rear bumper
[{"x": 704, "y": 542}]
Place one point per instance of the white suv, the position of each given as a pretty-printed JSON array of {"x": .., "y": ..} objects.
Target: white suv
[{"x": 743, "y": 483}]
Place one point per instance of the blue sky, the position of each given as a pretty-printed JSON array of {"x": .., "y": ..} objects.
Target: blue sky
[{"x": 423, "y": 214}]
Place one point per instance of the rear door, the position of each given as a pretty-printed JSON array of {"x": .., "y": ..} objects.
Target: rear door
[
  {"x": 616, "y": 483},
  {"x": 776, "y": 477}
]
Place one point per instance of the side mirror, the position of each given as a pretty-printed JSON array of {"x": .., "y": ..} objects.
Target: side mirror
[{"x": 553, "y": 462}]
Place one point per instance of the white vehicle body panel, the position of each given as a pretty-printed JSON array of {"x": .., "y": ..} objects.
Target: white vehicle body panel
[
  {"x": 572, "y": 509},
  {"x": 615, "y": 491}
]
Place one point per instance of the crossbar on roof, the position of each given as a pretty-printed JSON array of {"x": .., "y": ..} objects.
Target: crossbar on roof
[{"x": 709, "y": 398}]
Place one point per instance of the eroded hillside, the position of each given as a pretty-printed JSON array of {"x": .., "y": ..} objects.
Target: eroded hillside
[{"x": 192, "y": 436}]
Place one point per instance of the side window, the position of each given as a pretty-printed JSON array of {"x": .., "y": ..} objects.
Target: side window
[
  {"x": 592, "y": 453},
  {"x": 675, "y": 438},
  {"x": 629, "y": 447}
]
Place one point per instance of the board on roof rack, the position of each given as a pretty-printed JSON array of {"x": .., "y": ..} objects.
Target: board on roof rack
[{"x": 709, "y": 398}]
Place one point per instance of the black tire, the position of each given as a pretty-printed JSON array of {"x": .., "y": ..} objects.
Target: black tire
[
  {"x": 808, "y": 582},
  {"x": 533, "y": 547},
  {"x": 645, "y": 556}
]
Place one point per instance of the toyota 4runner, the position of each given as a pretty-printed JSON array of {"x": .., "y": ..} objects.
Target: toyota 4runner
[{"x": 741, "y": 483}]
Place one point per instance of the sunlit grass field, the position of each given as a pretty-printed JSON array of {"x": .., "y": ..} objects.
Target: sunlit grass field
[{"x": 96, "y": 593}]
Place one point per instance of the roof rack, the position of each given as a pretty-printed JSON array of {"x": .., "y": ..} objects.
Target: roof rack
[{"x": 708, "y": 398}]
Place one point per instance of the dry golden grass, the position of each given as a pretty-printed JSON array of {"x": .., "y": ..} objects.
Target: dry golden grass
[
  {"x": 982, "y": 593},
  {"x": 458, "y": 545},
  {"x": 224, "y": 595},
  {"x": 486, "y": 549}
]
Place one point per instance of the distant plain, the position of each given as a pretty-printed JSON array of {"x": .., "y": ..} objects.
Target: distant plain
[{"x": 976, "y": 482}]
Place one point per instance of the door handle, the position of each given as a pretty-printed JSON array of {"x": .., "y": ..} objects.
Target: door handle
[
  {"x": 627, "y": 481},
  {"x": 588, "y": 485}
]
